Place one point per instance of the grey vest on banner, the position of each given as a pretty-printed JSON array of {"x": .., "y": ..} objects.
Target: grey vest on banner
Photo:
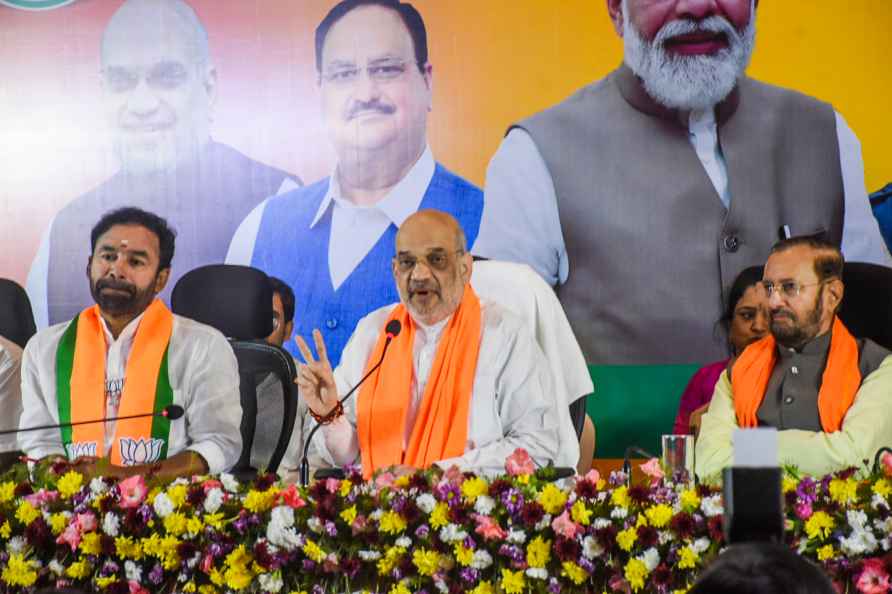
[{"x": 652, "y": 249}]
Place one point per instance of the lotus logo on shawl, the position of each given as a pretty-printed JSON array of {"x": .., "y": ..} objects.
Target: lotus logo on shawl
[
  {"x": 140, "y": 451},
  {"x": 35, "y": 4},
  {"x": 80, "y": 449}
]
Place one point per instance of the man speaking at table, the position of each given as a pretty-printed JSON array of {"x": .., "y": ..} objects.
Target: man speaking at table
[
  {"x": 128, "y": 355},
  {"x": 463, "y": 383}
]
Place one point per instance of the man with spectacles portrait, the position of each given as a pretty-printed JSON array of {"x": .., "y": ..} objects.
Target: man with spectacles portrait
[
  {"x": 332, "y": 241},
  {"x": 159, "y": 85},
  {"x": 825, "y": 391}
]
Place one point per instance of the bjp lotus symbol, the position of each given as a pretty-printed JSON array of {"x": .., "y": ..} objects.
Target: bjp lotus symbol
[{"x": 140, "y": 451}]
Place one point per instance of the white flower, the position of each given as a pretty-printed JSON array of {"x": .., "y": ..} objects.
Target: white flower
[
  {"x": 516, "y": 536},
  {"x": 163, "y": 505},
  {"x": 426, "y": 502},
  {"x": 315, "y": 524},
  {"x": 544, "y": 523},
  {"x": 98, "y": 486},
  {"x": 602, "y": 496},
  {"x": 376, "y": 515},
  {"x": 452, "y": 533},
  {"x": 132, "y": 571},
  {"x": 403, "y": 541},
  {"x": 481, "y": 560},
  {"x": 283, "y": 516},
  {"x": 213, "y": 500},
  {"x": 651, "y": 558},
  {"x": 700, "y": 545},
  {"x": 271, "y": 582},
  {"x": 878, "y": 501},
  {"x": 619, "y": 513},
  {"x": 601, "y": 523},
  {"x": 539, "y": 573},
  {"x": 441, "y": 586},
  {"x": 57, "y": 568},
  {"x": 857, "y": 519},
  {"x": 111, "y": 524},
  {"x": 484, "y": 505},
  {"x": 664, "y": 537},
  {"x": 229, "y": 482},
  {"x": 712, "y": 506},
  {"x": 369, "y": 555},
  {"x": 16, "y": 544},
  {"x": 591, "y": 548},
  {"x": 280, "y": 530},
  {"x": 859, "y": 543}
]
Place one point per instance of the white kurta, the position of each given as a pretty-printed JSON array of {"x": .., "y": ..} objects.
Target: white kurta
[
  {"x": 10, "y": 390},
  {"x": 512, "y": 402},
  {"x": 203, "y": 375}
]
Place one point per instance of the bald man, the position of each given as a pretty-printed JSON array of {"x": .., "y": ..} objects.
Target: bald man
[
  {"x": 159, "y": 85},
  {"x": 463, "y": 383}
]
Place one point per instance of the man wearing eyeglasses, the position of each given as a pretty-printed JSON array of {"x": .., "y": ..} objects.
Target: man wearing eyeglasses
[
  {"x": 826, "y": 392},
  {"x": 159, "y": 86},
  {"x": 332, "y": 241},
  {"x": 463, "y": 383}
]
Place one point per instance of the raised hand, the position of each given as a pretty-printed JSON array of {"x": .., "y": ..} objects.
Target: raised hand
[{"x": 316, "y": 379}]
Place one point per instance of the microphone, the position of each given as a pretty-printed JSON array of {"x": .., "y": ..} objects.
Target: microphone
[
  {"x": 391, "y": 331},
  {"x": 878, "y": 456},
  {"x": 627, "y": 460},
  {"x": 171, "y": 411}
]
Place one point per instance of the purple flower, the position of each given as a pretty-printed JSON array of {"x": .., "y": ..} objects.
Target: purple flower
[
  {"x": 109, "y": 568},
  {"x": 469, "y": 574},
  {"x": 330, "y": 528},
  {"x": 448, "y": 493},
  {"x": 398, "y": 504},
  {"x": 317, "y": 589},
  {"x": 803, "y": 510},
  {"x": 422, "y": 531},
  {"x": 514, "y": 553},
  {"x": 806, "y": 490},
  {"x": 309, "y": 565},
  {"x": 586, "y": 565},
  {"x": 554, "y": 586},
  {"x": 157, "y": 574},
  {"x": 617, "y": 478},
  {"x": 513, "y": 501}
]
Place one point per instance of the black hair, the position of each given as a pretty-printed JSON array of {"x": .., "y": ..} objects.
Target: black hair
[
  {"x": 762, "y": 568},
  {"x": 130, "y": 215},
  {"x": 286, "y": 295},
  {"x": 746, "y": 279},
  {"x": 409, "y": 15},
  {"x": 829, "y": 261}
]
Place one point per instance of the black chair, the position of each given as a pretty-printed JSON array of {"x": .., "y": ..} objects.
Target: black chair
[
  {"x": 866, "y": 308},
  {"x": 238, "y": 301},
  {"x": 16, "y": 317}
]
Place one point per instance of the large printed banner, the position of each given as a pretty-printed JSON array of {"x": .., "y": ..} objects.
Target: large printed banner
[{"x": 98, "y": 112}]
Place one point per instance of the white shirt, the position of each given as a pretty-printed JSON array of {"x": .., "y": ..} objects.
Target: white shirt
[
  {"x": 10, "y": 390},
  {"x": 354, "y": 229},
  {"x": 512, "y": 401},
  {"x": 520, "y": 216},
  {"x": 203, "y": 375}
]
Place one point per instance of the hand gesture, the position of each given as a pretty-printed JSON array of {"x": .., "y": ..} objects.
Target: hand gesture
[{"x": 315, "y": 379}]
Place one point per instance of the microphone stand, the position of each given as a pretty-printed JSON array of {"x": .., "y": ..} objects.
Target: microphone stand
[{"x": 172, "y": 414}]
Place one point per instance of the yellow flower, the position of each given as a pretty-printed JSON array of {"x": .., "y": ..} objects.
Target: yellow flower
[
  {"x": 512, "y": 582},
  {"x": 194, "y": 525},
  {"x": 402, "y": 481},
  {"x": 127, "y": 548},
  {"x": 620, "y": 497},
  {"x": 538, "y": 552},
  {"x": 349, "y": 514},
  {"x": 91, "y": 544},
  {"x": 207, "y": 589},
  {"x": 439, "y": 515},
  {"x": 78, "y": 570},
  {"x": 574, "y": 572},
  {"x": 346, "y": 485},
  {"x": 552, "y": 498},
  {"x": 687, "y": 558},
  {"x": 5, "y": 529},
  {"x": 690, "y": 501},
  {"x": 426, "y": 561},
  {"x": 216, "y": 577},
  {"x": 313, "y": 551},
  {"x": 189, "y": 587},
  {"x": 58, "y": 522},
  {"x": 175, "y": 523},
  {"x": 105, "y": 582},
  {"x": 214, "y": 520},
  {"x": 463, "y": 554},
  {"x": 7, "y": 491},
  {"x": 177, "y": 495},
  {"x": 391, "y": 557},
  {"x": 238, "y": 575},
  {"x": 635, "y": 573},
  {"x": 626, "y": 539},
  {"x": 659, "y": 515},
  {"x": 641, "y": 521},
  {"x": 819, "y": 525},
  {"x": 399, "y": 588},
  {"x": 844, "y": 491},
  {"x": 882, "y": 488},
  {"x": 19, "y": 571},
  {"x": 26, "y": 513},
  {"x": 258, "y": 502},
  {"x": 392, "y": 523},
  {"x": 580, "y": 514},
  {"x": 70, "y": 483},
  {"x": 483, "y": 588},
  {"x": 789, "y": 484},
  {"x": 473, "y": 488},
  {"x": 825, "y": 552}
]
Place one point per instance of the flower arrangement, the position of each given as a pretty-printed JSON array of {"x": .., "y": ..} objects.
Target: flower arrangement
[{"x": 431, "y": 532}]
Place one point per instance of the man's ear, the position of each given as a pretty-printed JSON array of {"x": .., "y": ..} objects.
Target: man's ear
[
  {"x": 466, "y": 264},
  {"x": 210, "y": 83},
  {"x": 161, "y": 280},
  {"x": 428, "y": 75},
  {"x": 89, "y": 262},
  {"x": 615, "y": 10},
  {"x": 289, "y": 330},
  {"x": 834, "y": 294}
]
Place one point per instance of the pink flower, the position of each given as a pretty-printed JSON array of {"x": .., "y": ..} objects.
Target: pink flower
[
  {"x": 133, "y": 491},
  {"x": 207, "y": 563},
  {"x": 454, "y": 475},
  {"x": 332, "y": 485},
  {"x": 886, "y": 459},
  {"x": 385, "y": 479},
  {"x": 70, "y": 536},
  {"x": 618, "y": 584},
  {"x": 652, "y": 469},
  {"x": 592, "y": 476},
  {"x": 873, "y": 578},
  {"x": 42, "y": 497},
  {"x": 803, "y": 511},
  {"x": 565, "y": 526},
  {"x": 519, "y": 463},
  {"x": 136, "y": 588},
  {"x": 291, "y": 497},
  {"x": 209, "y": 484},
  {"x": 488, "y": 528},
  {"x": 86, "y": 522}
]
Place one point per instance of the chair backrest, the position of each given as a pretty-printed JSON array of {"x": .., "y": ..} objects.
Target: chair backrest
[
  {"x": 16, "y": 317},
  {"x": 520, "y": 290},
  {"x": 866, "y": 308},
  {"x": 237, "y": 301}
]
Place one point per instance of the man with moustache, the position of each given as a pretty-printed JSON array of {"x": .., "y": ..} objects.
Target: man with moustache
[
  {"x": 332, "y": 241},
  {"x": 129, "y": 355},
  {"x": 827, "y": 393},
  {"x": 463, "y": 383},
  {"x": 643, "y": 195},
  {"x": 159, "y": 86}
]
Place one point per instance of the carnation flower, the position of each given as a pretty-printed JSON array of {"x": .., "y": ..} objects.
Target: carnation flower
[
  {"x": 132, "y": 491},
  {"x": 873, "y": 578},
  {"x": 519, "y": 463}
]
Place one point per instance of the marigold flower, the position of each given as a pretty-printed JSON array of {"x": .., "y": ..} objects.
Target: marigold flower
[
  {"x": 620, "y": 497},
  {"x": 538, "y": 552},
  {"x": 552, "y": 498},
  {"x": 440, "y": 515},
  {"x": 427, "y": 561},
  {"x": 79, "y": 570},
  {"x": 581, "y": 514},
  {"x": 473, "y": 488},
  {"x": 626, "y": 539},
  {"x": 483, "y": 588},
  {"x": 7, "y": 491},
  {"x": 690, "y": 501},
  {"x": 512, "y": 582},
  {"x": 820, "y": 524},
  {"x": 659, "y": 515},
  {"x": 826, "y": 552},
  {"x": 91, "y": 544},
  {"x": 463, "y": 554},
  {"x": 636, "y": 572},
  {"x": 70, "y": 483},
  {"x": 687, "y": 558},
  {"x": 576, "y": 574},
  {"x": 392, "y": 523},
  {"x": 844, "y": 491},
  {"x": 19, "y": 571}
]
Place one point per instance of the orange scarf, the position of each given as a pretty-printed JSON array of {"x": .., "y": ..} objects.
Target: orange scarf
[
  {"x": 839, "y": 384},
  {"x": 142, "y": 376},
  {"x": 441, "y": 425}
]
